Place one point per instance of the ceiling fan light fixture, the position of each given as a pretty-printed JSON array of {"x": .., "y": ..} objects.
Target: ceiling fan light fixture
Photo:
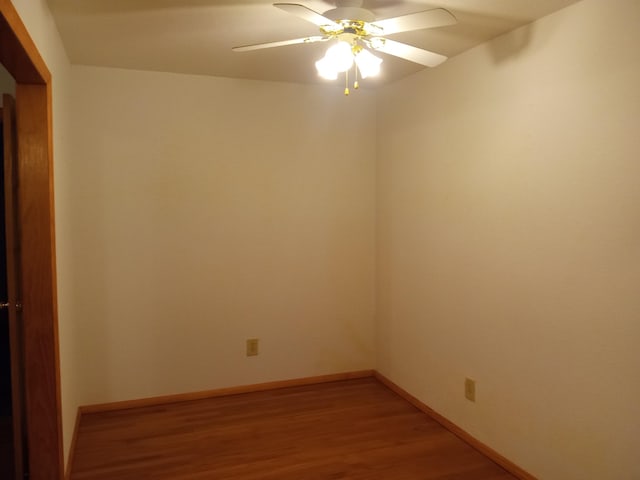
[
  {"x": 355, "y": 30},
  {"x": 325, "y": 69},
  {"x": 368, "y": 64},
  {"x": 339, "y": 56}
]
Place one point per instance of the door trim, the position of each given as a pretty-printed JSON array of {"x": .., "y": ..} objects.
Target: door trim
[{"x": 22, "y": 60}]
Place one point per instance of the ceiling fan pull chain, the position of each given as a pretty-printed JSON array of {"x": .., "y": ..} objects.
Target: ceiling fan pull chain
[
  {"x": 356, "y": 85},
  {"x": 346, "y": 82}
]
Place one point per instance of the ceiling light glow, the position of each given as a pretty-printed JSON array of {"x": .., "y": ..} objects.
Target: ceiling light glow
[
  {"x": 342, "y": 55},
  {"x": 325, "y": 69},
  {"x": 368, "y": 64}
]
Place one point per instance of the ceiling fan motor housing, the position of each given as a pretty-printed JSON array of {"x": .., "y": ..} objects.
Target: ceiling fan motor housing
[{"x": 350, "y": 13}]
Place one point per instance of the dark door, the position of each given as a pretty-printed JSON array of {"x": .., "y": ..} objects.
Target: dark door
[{"x": 10, "y": 300}]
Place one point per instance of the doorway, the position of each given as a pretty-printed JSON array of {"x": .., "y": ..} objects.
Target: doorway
[
  {"x": 7, "y": 85},
  {"x": 35, "y": 224},
  {"x": 12, "y": 420},
  {"x": 6, "y": 430}
]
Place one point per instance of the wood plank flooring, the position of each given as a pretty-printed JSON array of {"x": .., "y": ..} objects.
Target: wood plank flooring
[{"x": 354, "y": 429}]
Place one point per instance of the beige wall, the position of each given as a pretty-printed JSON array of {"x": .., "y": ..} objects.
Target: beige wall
[
  {"x": 208, "y": 211},
  {"x": 508, "y": 241},
  {"x": 37, "y": 18}
]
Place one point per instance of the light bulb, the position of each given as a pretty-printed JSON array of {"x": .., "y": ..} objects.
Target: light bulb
[
  {"x": 340, "y": 57},
  {"x": 368, "y": 64},
  {"x": 325, "y": 69}
]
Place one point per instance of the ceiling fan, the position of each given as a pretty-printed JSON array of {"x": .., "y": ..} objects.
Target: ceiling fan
[{"x": 355, "y": 34}]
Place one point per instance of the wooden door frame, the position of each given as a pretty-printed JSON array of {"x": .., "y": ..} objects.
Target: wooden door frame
[{"x": 19, "y": 55}]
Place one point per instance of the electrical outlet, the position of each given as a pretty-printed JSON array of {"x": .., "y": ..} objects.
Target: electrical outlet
[
  {"x": 252, "y": 347},
  {"x": 470, "y": 389}
]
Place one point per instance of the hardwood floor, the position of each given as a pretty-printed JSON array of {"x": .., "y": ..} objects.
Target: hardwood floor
[{"x": 354, "y": 429}]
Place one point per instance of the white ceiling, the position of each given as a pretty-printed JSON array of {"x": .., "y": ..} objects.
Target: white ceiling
[{"x": 196, "y": 36}]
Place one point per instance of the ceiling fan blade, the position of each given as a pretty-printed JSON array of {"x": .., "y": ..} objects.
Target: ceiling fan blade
[
  {"x": 307, "y": 14},
  {"x": 258, "y": 46},
  {"x": 408, "y": 52},
  {"x": 438, "y": 17}
]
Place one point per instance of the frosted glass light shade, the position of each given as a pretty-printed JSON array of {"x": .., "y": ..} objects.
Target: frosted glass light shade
[
  {"x": 340, "y": 56},
  {"x": 325, "y": 69},
  {"x": 368, "y": 64}
]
